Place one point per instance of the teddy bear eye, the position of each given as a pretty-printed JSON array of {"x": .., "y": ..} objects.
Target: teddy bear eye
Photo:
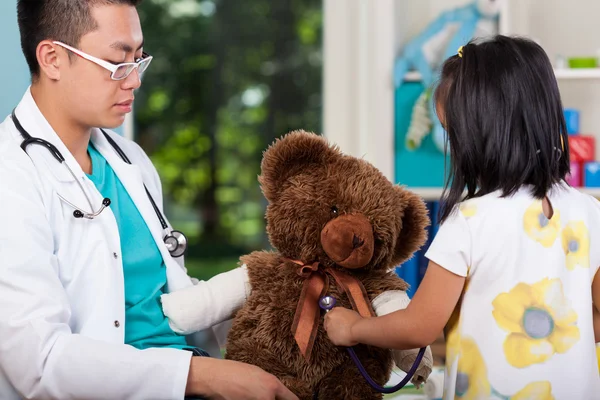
[{"x": 334, "y": 210}]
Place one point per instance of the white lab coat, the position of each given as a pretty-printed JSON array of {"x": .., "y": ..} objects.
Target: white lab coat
[{"x": 62, "y": 307}]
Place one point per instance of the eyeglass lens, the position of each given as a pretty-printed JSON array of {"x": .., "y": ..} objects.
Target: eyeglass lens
[{"x": 124, "y": 70}]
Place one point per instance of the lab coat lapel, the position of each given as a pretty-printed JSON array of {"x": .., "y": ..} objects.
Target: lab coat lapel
[
  {"x": 32, "y": 119},
  {"x": 131, "y": 178}
]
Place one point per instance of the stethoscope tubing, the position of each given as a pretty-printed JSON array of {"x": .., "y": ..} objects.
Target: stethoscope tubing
[
  {"x": 327, "y": 303},
  {"x": 178, "y": 236}
]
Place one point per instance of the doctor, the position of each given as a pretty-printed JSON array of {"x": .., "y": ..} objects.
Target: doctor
[{"x": 83, "y": 254}]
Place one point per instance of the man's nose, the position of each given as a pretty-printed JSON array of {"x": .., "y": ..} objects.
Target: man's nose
[{"x": 133, "y": 80}]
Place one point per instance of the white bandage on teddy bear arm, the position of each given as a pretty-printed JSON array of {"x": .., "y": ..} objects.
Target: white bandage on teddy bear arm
[
  {"x": 390, "y": 301},
  {"x": 207, "y": 303}
]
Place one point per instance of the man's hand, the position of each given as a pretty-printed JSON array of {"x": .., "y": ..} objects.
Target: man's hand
[
  {"x": 231, "y": 380},
  {"x": 338, "y": 324}
]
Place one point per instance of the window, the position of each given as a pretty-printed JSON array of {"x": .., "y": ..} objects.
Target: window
[{"x": 227, "y": 78}]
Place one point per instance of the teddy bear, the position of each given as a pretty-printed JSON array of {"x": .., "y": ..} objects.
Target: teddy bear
[{"x": 337, "y": 226}]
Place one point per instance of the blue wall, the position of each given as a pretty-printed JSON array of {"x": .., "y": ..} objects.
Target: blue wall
[{"x": 14, "y": 74}]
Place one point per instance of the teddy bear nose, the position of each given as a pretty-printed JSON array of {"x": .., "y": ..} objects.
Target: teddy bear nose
[
  {"x": 348, "y": 240},
  {"x": 357, "y": 242}
]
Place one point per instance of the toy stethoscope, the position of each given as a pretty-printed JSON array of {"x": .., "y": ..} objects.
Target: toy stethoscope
[
  {"x": 327, "y": 303},
  {"x": 175, "y": 241}
]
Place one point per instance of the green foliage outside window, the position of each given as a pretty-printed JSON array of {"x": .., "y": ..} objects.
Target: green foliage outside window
[{"x": 228, "y": 77}]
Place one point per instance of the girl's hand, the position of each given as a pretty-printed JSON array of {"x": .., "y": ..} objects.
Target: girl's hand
[{"x": 338, "y": 324}]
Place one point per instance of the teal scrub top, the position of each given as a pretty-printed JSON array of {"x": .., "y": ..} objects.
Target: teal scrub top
[{"x": 144, "y": 269}]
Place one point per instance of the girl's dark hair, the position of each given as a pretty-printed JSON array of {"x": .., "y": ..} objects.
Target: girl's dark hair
[{"x": 502, "y": 110}]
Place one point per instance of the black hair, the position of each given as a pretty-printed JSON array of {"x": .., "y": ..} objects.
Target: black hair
[
  {"x": 502, "y": 111},
  {"x": 63, "y": 20}
]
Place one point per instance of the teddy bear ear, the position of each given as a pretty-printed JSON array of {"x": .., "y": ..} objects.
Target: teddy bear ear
[
  {"x": 294, "y": 153},
  {"x": 415, "y": 221}
]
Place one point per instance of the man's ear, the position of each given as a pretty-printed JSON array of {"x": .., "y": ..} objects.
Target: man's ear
[
  {"x": 415, "y": 221},
  {"x": 295, "y": 153},
  {"x": 49, "y": 59}
]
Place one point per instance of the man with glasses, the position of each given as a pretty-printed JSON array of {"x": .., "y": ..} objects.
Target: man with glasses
[{"x": 82, "y": 258}]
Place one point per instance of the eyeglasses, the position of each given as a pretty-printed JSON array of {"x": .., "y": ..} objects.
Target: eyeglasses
[{"x": 118, "y": 71}]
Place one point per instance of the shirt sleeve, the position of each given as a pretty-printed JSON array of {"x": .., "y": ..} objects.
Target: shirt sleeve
[{"x": 451, "y": 246}]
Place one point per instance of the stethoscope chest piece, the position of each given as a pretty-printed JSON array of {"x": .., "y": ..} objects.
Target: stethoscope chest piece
[
  {"x": 176, "y": 243},
  {"x": 327, "y": 303}
]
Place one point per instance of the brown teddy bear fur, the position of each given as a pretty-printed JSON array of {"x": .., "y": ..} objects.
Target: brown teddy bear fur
[{"x": 309, "y": 183}]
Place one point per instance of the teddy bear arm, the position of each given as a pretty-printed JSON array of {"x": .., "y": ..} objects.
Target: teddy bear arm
[
  {"x": 388, "y": 282},
  {"x": 262, "y": 267},
  {"x": 207, "y": 303},
  {"x": 391, "y": 301}
]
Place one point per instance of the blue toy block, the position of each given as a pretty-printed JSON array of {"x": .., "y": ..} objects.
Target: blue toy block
[
  {"x": 572, "y": 120},
  {"x": 591, "y": 174}
]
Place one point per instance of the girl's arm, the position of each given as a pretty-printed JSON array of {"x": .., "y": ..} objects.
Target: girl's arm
[{"x": 416, "y": 326}]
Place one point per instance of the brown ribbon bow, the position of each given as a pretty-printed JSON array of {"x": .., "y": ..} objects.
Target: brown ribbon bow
[{"x": 316, "y": 284}]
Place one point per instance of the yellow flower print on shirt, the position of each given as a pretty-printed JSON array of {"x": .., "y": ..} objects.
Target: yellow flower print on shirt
[
  {"x": 598, "y": 355},
  {"x": 452, "y": 328},
  {"x": 576, "y": 244},
  {"x": 452, "y": 336},
  {"x": 468, "y": 209},
  {"x": 539, "y": 319},
  {"x": 538, "y": 227},
  {"x": 471, "y": 379},
  {"x": 535, "y": 390}
]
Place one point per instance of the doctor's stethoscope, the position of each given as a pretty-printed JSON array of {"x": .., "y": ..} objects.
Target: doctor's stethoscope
[{"x": 175, "y": 241}]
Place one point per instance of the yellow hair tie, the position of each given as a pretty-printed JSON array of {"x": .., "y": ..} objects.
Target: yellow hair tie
[{"x": 460, "y": 51}]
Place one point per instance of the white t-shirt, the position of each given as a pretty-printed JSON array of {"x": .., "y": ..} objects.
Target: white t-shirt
[{"x": 523, "y": 328}]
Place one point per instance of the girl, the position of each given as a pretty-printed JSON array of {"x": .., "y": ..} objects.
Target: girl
[{"x": 512, "y": 269}]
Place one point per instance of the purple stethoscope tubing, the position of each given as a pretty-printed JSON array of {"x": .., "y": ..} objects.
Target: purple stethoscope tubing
[{"x": 327, "y": 303}]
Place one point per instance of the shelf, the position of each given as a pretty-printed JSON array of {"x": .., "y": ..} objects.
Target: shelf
[
  {"x": 434, "y": 194},
  {"x": 577, "y": 73},
  {"x": 428, "y": 194},
  {"x": 565, "y": 73}
]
